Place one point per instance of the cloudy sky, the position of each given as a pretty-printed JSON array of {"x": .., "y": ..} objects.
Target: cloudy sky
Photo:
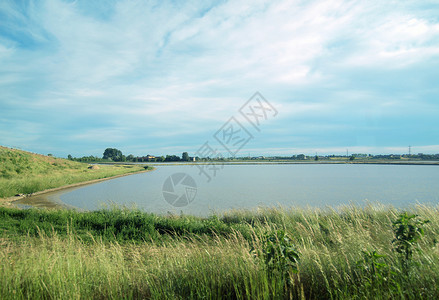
[{"x": 162, "y": 77}]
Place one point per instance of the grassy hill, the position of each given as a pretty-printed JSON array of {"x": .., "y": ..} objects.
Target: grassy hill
[{"x": 23, "y": 172}]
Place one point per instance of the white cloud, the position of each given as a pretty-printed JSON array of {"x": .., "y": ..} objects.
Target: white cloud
[
  {"x": 395, "y": 41},
  {"x": 190, "y": 67},
  {"x": 106, "y": 135}
]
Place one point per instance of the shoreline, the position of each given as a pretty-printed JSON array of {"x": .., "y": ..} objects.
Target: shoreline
[
  {"x": 322, "y": 162},
  {"x": 9, "y": 201},
  {"x": 41, "y": 198}
]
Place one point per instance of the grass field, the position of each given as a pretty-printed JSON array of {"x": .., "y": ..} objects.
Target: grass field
[
  {"x": 120, "y": 253},
  {"x": 25, "y": 173}
]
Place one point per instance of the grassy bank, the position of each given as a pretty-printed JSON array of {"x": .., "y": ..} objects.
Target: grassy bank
[
  {"x": 241, "y": 255},
  {"x": 25, "y": 173}
]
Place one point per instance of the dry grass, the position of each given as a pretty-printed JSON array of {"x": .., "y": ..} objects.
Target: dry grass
[{"x": 181, "y": 264}]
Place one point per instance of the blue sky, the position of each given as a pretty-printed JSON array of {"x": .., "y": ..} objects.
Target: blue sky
[{"x": 162, "y": 77}]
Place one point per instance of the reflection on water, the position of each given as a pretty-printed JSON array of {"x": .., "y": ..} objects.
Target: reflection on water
[{"x": 250, "y": 186}]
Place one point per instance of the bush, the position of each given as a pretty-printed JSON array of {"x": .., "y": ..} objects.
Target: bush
[{"x": 278, "y": 254}]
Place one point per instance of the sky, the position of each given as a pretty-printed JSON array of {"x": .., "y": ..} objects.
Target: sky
[{"x": 164, "y": 77}]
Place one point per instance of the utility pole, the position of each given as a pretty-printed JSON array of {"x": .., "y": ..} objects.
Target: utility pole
[{"x": 347, "y": 153}]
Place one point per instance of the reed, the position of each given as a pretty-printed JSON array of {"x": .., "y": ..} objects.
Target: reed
[{"x": 122, "y": 253}]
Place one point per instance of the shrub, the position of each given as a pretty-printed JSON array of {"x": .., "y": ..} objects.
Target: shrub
[
  {"x": 278, "y": 254},
  {"x": 408, "y": 230}
]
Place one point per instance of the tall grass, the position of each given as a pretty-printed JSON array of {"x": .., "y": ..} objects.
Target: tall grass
[
  {"x": 25, "y": 173},
  {"x": 67, "y": 254}
]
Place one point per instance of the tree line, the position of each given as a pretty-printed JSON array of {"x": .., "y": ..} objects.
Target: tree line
[{"x": 116, "y": 155}]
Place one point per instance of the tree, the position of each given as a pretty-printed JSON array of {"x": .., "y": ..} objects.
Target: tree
[
  {"x": 185, "y": 156},
  {"x": 69, "y": 157},
  {"x": 172, "y": 158},
  {"x": 112, "y": 153}
]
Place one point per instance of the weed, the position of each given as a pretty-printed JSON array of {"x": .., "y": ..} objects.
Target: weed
[
  {"x": 120, "y": 253},
  {"x": 408, "y": 230},
  {"x": 279, "y": 254},
  {"x": 377, "y": 272}
]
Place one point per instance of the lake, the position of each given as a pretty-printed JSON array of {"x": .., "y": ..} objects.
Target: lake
[{"x": 252, "y": 186}]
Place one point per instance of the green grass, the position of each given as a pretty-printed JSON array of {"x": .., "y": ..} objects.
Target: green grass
[
  {"x": 120, "y": 253},
  {"x": 25, "y": 173}
]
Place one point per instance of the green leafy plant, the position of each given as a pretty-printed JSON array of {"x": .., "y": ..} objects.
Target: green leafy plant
[
  {"x": 408, "y": 230},
  {"x": 279, "y": 254},
  {"x": 377, "y": 272}
]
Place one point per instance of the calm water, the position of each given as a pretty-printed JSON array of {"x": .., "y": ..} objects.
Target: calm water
[{"x": 251, "y": 186}]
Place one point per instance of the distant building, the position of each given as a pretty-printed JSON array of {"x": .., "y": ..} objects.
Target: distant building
[{"x": 150, "y": 157}]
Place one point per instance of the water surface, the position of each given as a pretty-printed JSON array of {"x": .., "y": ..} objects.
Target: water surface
[{"x": 251, "y": 186}]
